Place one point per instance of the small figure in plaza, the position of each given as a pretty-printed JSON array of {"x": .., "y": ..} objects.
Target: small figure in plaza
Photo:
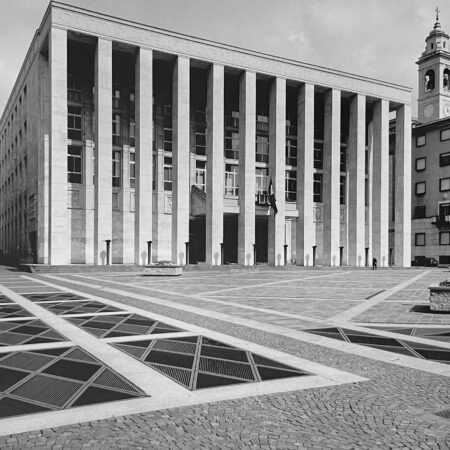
[{"x": 374, "y": 264}]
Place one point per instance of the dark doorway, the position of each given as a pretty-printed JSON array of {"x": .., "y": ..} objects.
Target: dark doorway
[
  {"x": 261, "y": 238},
  {"x": 341, "y": 255},
  {"x": 33, "y": 245},
  {"x": 197, "y": 240},
  {"x": 230, "y": 239},
  {"x": 367, "y": 256},
  {"x": 314, "y": 255}
]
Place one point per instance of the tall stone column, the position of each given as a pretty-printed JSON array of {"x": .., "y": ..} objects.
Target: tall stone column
[
  {"x": 144, "y": 154},
  {"x": 103, "y": 150},
  {"x": 59, "y": 247},
  {"x": 305, "y": 164},
  {"x": 331, "y": 177},
  {"x": 247, "y": 136},
  {"x": 380, "y": 183},
  {"x": 277, "y": 164},
  {"x": 180, "y": 186},
  {"x": 88, "y": 170},
  {"x": 214, "y": 164},
  {"x": 356, "y": 181},
  {"x": 402, "y": 252}
]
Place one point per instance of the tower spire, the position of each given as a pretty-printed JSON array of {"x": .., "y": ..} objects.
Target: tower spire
[{"x": 437, "y": 25}]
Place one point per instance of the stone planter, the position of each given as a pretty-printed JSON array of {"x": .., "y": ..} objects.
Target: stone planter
[
  {"x": 440, "y": 297},
  {"x": 170, "y": 270}
]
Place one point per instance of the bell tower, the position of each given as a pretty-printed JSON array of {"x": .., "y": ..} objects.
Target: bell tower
[{"x": 434, "y": 76}]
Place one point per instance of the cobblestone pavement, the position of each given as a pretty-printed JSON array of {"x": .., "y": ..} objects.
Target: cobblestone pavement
[{"x": 394, "y": 409}]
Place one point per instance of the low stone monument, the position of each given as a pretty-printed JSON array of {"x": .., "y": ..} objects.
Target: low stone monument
[
  {"x": 163, "y": 268},
  {"x": 440, "y": 296}
]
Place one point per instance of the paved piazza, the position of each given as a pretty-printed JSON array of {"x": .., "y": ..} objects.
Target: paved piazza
[{"x": 230, "y": 358}]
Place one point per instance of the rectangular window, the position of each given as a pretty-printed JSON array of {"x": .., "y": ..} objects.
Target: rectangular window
[
  {"x": 231, "y": 144},
  {"x": 444, "y": 238},
  {"x": 167, "y": 173},
  {"x": 444, "y": 212},
  {"x": 116, "y": 168},
  {"x": 74, "y": 164},
  {"x": 132, "y": 169},
  {"x": 232, "y": 119},
  {"x": 419, "y": 239},
  {"x": 200, "y": 139},
  {"x": 262, "y": 184},
  {"x": 116, "y": 129},
  {"x": 132, "y": 133},
  {"x": 200, "y": 175},
  {"x": 291, "y": 185},
  {"x": 231, "y": 180},
  {"x": 262, "y": 149},
  {"x": 317, "y": 188},
  {"x": 343, "y": 161},
  {"x": 73, "y": 89},
  {"x": 444, "y": 159},
  {"x": 262, "y": 123},
  {"x": 421, "y": 164},
  {"x": 318, "y": 155},
  {"x": 74, "y": 123},
  {"x": 419, "y": 212},
  {"x": 421, "y": 188},
  {"x": 445, "y": 134},
  {"x": 444, "y": 184},
  {"x": 291, "y": 127},
  {"x": 291, "y": 152},
  {"x": 116, "y": 97},
  {"x": 420, "y": 140},
  {"x": 342, "y": 191}
]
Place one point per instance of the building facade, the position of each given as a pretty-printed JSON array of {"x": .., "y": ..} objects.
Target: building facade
[
  {"x": 125, "y": 143},
  {"x": 431, "y": 152}
]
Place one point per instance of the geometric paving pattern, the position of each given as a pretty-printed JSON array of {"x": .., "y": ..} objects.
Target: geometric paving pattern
[
  {"x": 78, "y": 307},
  {"x": 54, "y": 379},
  {"x": 116, "y": 325},
  {"x": 52, "y": 297},
  {"x": 31, "y": 331},
  {"x": 437, "y": 334},
  {"x": 197, "y": 362},
  {"x": 12, "y": 310},
  {"x": 408, "y": 348}
]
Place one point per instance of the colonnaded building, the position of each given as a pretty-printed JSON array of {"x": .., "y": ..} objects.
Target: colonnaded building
[{"x": 157, "y": 145}]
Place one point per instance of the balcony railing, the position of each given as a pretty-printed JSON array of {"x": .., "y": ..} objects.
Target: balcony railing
[
  {"x": 262, "y": 198},
  {"x": 442, "y": 221}
]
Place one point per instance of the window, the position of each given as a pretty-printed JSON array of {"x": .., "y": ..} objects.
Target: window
[
  {"x": 132, "y": 133},
  {"x": 421, "y": 140},
  {"x": 74, "y": 123},
  {"x": 291, "y": 152},
  {"x": 419, "y": 212},
  {"x": 342, "y": 191},
  {"x": 291, "y": 185},
  {"x": 444, "y": 238},
  {"x": 74, "y": 164},
  {"x": 318, "y": 155},
  {"x": 116, "y": 168},
  {"x": 262, "y": 183},
  {"x": 421, "y": 188},
  {"x": 116, "y": 129},
  {"x": 232, "y": 119},
  {"x": 262, "y": 149},
  {"x": 116, "y": 97},
  {"x": 291, "y": 127},
  {"x": 343, "y": 161},
  {"x": 317, "y": 188},
  {"x": 200, "y": 175},
  {"x": 167, "y": 173},
  {"x": 200, "y": 139},
  {"x": 444, "y": 159},
  {"x": 262, "y": 123},
  {"x": 231, "y": 180},
  {"x": 167, "y": 132},
  {"x": 73, "y": 89},
  {"x": 429, "y": 79},
  {"x": 446, "y": 78},
  {"x": 132, "y": 169},
  {"x": 444, "y": 184},
  {"x": 419, "y": 239},
  {"x": 421, "y": 164},
  {"x": 231, "y": 144},
  {"x": 444, "y": 212},
  {"x": 445, "y": 135}
]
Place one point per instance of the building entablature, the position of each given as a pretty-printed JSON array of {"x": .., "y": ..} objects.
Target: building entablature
[{"x": 421, "y": 128}]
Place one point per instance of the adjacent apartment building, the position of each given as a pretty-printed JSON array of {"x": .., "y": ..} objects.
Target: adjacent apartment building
[
  {"x": 124, "y": 143},
  {"x": 431, "y": 152}
]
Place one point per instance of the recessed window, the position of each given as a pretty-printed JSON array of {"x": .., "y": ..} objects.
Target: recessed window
[
  {"x": 429, "y": 79},
  {"x": 419, "y": 239},
  {"x": 116, "y": 168},
  {"x": 421, "y": 188},
  {"x": 318, "y": 155},
  {"x": 445, "y": 135},
  {"x": 74, "y": 164},
  {"x": 132, "y": 169},
  {"x": 419, "y": 212},
  {"x": 444, "y": 184},
  {"x": 444, "y": 159},
  {"x": 421, "y": 164},
  {"x": 167, "y": 173},
  {"x": 420, "y": 141},
  {"x": 444, "y": 238},
  {"x": 317, "y": 188},
  {"x": 291, "y": 185},
  {"x": 74, "y": 123},
  {"x": 342, "y": 191}
]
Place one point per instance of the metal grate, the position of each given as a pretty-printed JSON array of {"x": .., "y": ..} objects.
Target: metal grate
[
  {"x": 182, "y": 376},
  {"x": 26, "y": 360},
  {"x": 175, "y": 346},
  {"x": 227, "y": 368}
]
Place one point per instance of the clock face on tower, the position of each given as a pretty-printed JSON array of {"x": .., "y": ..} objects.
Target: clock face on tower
[{"x": 428, "y": 111}]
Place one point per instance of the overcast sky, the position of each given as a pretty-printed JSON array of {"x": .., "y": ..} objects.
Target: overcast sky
[{"x": 377, "y": 38}]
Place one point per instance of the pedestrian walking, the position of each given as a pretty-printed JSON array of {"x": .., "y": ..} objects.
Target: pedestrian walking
[{"x": 374, "y": 264}]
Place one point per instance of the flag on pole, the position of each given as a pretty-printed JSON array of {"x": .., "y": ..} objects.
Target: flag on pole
[{"x": 272, "y": 200}]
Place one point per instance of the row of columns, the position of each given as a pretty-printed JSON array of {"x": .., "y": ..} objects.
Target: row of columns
[{"x": 215, "y": 165}]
